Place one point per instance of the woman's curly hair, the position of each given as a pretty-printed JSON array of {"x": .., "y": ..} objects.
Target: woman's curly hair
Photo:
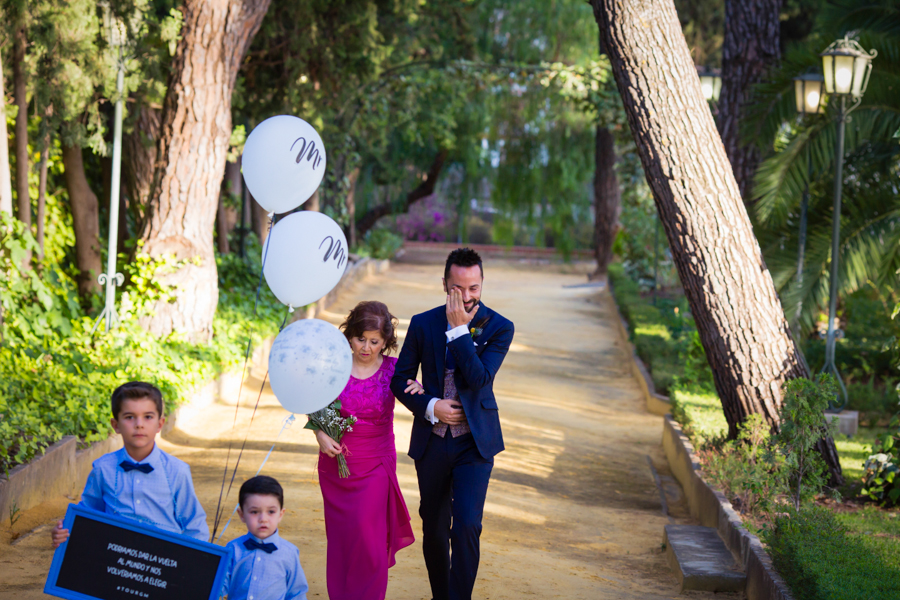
[{"x": 371, "y": 315}]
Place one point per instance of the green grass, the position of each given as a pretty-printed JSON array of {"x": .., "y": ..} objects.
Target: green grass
[
  {"x": 700, "y": 413},
  {"x": 876, "y": 529},
  {"x": 824, "y": 555},
  {"x": 853, "y": 451}
]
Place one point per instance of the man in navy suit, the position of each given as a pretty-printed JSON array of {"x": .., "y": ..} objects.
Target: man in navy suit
[{"x": 456, "y": 428}]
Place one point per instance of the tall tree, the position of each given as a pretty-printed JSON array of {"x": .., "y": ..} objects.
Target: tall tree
[
  {"x": 739, "y": 317},
  {"x": 607, "y": 199},
  {"x": 5, "y": 179},
  {"x": 139, "y": 157},
  {"x": 85, "y": 221},
  {"x": 20, "y": 93},
  {"x": 195, "y": 129},
  {"x": 43, "y": 167},
  {"x": 425, "y": 188},
  {"x": 750, "y": 49}
]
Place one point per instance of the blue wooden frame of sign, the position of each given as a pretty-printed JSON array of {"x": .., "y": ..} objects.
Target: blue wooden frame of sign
[{"x": 108, "y": 557}]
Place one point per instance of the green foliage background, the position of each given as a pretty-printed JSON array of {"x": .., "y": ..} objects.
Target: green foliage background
[{"x": 56, "y": 378}]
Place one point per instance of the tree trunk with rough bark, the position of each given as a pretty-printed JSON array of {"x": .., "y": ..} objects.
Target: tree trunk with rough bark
[
  {"x": 313, "y": 203},
  {"x": 231, "y": 186},
  {"x": 139, "y": 159},
  {"x": 193, "y": 143},
  {"x": 222, "y": 227},
  {"x": 731, "y": 294},
  {"x": 85, "y": 221},
  {"x": 42, "y": 196},
  {"x": 6, "y": 202},
  {"x": 607, "y": 200},
  {"x": 260, "y": 219},
  {"x": 20, "y": 93},
  {"x": 749, "y": 50},
  {"x": 230, "y": 203},
  {"x": 424, "y": 189},
  {"x": 351, "y": 207}
]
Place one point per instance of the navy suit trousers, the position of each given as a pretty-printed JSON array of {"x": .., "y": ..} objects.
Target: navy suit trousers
[{"x": 453, "y": 481}]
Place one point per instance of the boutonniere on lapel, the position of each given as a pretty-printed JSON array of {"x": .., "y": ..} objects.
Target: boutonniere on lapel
[{"x": 478, "y": 329}]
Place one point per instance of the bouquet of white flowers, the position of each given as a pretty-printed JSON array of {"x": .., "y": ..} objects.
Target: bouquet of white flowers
[{"x": 330, "y": 421}]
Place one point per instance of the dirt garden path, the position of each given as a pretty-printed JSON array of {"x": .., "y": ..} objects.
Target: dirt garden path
[{"x": 573, "y": 510}]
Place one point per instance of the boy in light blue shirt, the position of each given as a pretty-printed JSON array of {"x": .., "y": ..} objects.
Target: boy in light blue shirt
[
  {"x": 262, "y": 565},
  {"x": 140, "y": 481}
]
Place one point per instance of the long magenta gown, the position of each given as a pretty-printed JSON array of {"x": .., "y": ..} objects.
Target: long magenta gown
[{"x": 366, "y": 520}]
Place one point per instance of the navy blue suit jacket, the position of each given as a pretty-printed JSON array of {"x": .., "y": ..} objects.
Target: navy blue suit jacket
[{"x": 477, "y": 363}]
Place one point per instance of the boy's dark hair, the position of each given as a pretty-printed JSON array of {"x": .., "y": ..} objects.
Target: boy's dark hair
[
  {"x": 136, "y": 390},
  {"x": 463, "y": 257},
  {"x": 263, "y": 485}
]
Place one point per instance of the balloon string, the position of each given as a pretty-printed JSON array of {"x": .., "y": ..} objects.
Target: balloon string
[
  {"x": 247, "y": 435},
  {"x": 219, "y": 507},
  {"x": 244, "y": 443},
  {"x": 287, "y": 423},
  {"x": 263, "y": 268}
]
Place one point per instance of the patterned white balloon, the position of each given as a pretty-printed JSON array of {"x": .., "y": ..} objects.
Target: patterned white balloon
[
  {"x": 283, "y": 163},
  {"x": 304, "y": 257},
  {"x": 309, "y": 365}
]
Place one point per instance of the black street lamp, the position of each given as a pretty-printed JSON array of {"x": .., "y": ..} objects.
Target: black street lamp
[
  {"x": 846, "y": 67},
  {"x": 710, "y": 83},
  {"x": 808, "y": 98}
]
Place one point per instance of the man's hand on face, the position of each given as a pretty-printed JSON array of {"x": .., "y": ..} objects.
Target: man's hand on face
[{"x": 456, "y": 309}]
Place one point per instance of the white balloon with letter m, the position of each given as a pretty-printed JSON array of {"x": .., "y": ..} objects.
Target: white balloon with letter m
[
  {"x": 309, "y": 365},
  {"x": 283, "y": 163},
  {"x": 304, "y": 257}
]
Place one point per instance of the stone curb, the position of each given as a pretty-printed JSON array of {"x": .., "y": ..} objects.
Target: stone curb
[
  {"x": 657, "y": 404},
  {"x": 712, "y": 509},
  {"x": 63, "y": 469}
]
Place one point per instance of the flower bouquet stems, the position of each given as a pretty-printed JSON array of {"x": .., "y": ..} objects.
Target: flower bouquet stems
[{"x": 330, "y": 421}]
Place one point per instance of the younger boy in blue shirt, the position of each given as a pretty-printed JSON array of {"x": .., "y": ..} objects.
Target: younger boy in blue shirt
[
  {"x": 262, "y": 565},
  {"x": 140, "y": 481}
]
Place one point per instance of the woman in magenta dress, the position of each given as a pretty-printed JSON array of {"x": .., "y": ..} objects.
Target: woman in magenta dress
[{"x": 366, "y": 520}]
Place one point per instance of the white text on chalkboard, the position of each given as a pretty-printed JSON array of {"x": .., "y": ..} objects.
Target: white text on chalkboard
[{"x": 166, "y": 562}]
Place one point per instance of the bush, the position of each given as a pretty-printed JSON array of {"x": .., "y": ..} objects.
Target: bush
[
  {"x": 803, "y": 424},
  {"x": 820, "y": 560},
  {"x": 876, "y": 400},
  {"x": 880, "y": 479},
  {"x": 664, "y": 336},
  {"x": 380, "y": 244},
  {"x": 59, "y": 382},
  {"x": 749, "y": 469}
]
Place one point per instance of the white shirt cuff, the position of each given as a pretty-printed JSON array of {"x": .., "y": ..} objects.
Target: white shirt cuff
[
  {"x": 457, "y": 332},
  {"x": 429, "y": 412}
]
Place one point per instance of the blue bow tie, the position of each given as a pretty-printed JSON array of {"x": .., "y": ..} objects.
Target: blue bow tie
[
  {"x": 251, "y": 544},
  {"x": 127, "y": 465}
]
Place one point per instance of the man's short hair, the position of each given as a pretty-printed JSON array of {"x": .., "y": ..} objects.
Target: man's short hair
[
  {"x": 136, "y": 390},
  {"x": 463, "y": 257},
  {"x": 262, "y": 485}
]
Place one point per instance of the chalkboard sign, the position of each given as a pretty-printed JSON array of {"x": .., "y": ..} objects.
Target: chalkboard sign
[{"x": 111, "y": 558}]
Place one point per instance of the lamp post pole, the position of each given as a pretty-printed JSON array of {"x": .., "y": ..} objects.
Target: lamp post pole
[
  {"x": 831, "y": 337},
  {"x": 801, "y": 251},
  {"x": 846, "y": 67},
  {"x": 807, "y": 96},
  {"x": 111, "y": 279}
]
